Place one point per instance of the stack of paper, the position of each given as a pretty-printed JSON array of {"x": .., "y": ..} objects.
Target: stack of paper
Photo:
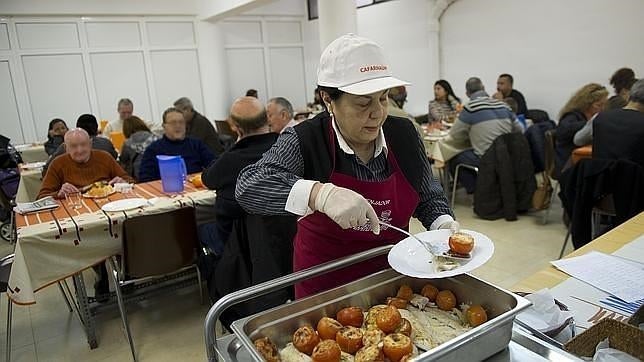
[{"x": 611, "y": 274}]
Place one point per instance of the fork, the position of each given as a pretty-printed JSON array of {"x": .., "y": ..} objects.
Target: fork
[{"x": 426, "y": 246}]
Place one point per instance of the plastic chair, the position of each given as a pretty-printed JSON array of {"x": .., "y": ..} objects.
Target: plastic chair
[
  {"x": 155, "y": 246},
  {"x": 5, "y": 270},
  {"x": 458, "y": 169}
]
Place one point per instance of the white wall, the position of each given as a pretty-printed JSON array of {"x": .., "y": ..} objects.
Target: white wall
[
  {"x": 400, "y": 27},
  {"x": 551, "y": 47},
  {"x": 61, "y": 67},
  {"x": 265, "y": 50},
  {"x": 100, "y": 7}
]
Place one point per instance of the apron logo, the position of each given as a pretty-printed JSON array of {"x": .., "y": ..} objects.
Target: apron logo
[{"x": 385, "y": 216}]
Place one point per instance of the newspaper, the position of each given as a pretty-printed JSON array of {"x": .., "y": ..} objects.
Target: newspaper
[{"x": 46, "y": 203}]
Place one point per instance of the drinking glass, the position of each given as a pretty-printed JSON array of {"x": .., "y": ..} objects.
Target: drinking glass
[{"x": 74, "y": 200}]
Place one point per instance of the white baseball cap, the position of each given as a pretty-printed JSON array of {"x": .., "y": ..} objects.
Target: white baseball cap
[{"x": 356, "y": 65}]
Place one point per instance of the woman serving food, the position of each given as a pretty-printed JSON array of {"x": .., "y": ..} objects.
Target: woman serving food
[{"x": 347, "y": 169}]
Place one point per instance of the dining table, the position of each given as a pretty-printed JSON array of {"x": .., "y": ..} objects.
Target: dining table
[
  {"x": 57, "y": 244},
  {"x": 589, "y": 303},
  {"x": 32, "y": 152},
  {"x": 29, "y": 185},
  {"x": 607, "y": 243}
]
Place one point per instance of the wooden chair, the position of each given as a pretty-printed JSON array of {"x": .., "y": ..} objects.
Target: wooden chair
[{"x": 155, "y": 246}]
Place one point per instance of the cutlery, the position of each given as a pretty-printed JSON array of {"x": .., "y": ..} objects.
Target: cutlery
[
  {"x": 433, "y": 250},
  {"x": 426, "y": 246}
]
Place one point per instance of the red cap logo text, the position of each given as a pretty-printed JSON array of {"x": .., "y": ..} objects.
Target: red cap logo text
[{"x": 373, "y": 68}]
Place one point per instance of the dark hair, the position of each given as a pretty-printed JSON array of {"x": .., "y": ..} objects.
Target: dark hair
[
  {"x": 88, "y": 123},
  {"x": 170, "y": 110},
  {"x": 251, "y": 93},
  {"x": 133, "y": 124},
  {"x": 510, "y": 77},
  {"x": 623, "y": 78},
  {"x": 53, "y": 122},
  {"x": 448, "y": 88},
  {"x": 512, "y": 103},
  {"x": 250, "y": 124},
  {"x": 334, "y": 94}
]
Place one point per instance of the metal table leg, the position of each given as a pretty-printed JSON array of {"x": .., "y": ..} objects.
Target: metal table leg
[{"x": 85, "y": 314}]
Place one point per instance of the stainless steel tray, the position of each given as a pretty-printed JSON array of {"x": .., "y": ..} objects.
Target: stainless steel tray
[
  {"x": 523, "y": 347},
  {"x": 477, "y": 344}
]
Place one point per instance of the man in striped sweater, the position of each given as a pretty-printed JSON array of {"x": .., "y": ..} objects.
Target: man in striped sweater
[{"x": 482, "y": 120}]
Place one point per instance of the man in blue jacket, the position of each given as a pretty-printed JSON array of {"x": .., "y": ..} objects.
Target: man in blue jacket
[{"x": 174, "y": 142}]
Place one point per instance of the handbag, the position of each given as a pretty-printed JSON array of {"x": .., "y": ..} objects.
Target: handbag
[{"x": 543, "y": 194}]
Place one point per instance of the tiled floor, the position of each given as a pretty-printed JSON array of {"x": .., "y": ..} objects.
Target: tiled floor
[{"x": 171, "y": 328}]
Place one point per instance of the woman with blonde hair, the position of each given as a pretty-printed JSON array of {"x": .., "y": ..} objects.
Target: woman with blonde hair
[{"x": 580, "y": 108}]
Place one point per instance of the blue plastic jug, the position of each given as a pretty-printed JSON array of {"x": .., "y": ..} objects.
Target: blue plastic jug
[{"x": 173, "y": 173}]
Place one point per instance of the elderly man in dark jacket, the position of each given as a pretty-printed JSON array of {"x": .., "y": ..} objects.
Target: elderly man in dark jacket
[
  {"x": 249, "y": 117},
  {"x": 199, "y": 126}
]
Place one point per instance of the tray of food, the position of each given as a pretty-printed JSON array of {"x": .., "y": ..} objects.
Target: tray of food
[
  {"x": 98, "y": 190},
  {"x": 387, "y": 317}
]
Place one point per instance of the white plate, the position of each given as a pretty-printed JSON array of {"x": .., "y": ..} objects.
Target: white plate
[
  {"x": 123, "y": 205},
  {"x": 408, "y": 257},
  {"x": 33, "y": 165}
]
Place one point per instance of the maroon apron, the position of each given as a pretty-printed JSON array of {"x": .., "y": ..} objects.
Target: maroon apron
[{"x": 319, "y": 239}]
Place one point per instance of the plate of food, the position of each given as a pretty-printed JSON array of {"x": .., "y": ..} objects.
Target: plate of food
[
  {"x": 454, "y": 253},
  {"x": 98, "y": 190}
]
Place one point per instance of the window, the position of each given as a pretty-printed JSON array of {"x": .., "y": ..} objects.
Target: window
[{"x": 313, "y": 6}]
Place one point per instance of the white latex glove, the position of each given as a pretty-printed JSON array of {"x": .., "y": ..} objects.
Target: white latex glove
[
  {"x": 346, "y": 207},
  {"x": 451, "y": 225}
]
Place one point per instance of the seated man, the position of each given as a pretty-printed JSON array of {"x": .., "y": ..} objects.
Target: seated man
[
  {"x": 125, "y": 108},
  {"x": 249, "y": 117},
  {"x": 80, "y": 166},
  {"x": 198, "y": 126},
  {"x": 90, "y": 125},
  {"x": 482, "y": 120},
  {"x": 280, "y": 114},
  {"x": 618, "y": 133},
  {"x": 174, "y": 143},
  {"x": 505, "y": 89}
]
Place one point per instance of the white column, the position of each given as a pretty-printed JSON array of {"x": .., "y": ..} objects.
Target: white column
[
  {"x": 337, "y": 17},
  {"x": 433, "y": 30},
  {"x": 436, "y": 8},
  {"x": 214, "y": 76},
  {"x": 434, "y": 62}
]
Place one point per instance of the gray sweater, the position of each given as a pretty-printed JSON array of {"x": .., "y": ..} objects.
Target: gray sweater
[{"x": 482, "y": 120}]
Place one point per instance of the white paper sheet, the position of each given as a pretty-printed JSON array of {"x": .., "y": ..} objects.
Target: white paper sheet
[
  {"x": 632, "y": 251},
  {"x": 611, "y": 274}
]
